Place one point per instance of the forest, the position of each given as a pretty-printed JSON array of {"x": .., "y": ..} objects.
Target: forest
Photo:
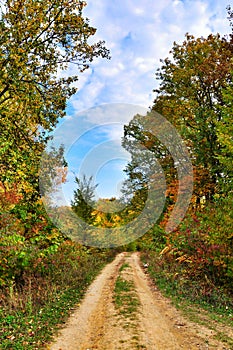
[{"x": 42, "y": 271}]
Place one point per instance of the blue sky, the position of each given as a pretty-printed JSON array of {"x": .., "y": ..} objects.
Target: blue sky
[{"x": 138, "y": 34}]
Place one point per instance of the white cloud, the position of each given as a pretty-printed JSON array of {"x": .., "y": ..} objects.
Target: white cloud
[
  {"x": 113, "y": 113},
  {"x": 139, "y": 34},
  {"x": 139, "y": 11}
]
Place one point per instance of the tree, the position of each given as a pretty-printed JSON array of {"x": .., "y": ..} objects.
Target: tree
[
  {"x": 145, "y": 150},
  {"x": 159, "y": 171},
  {"x": 139, "y": 170},
  {"x": 83, "y": 201},
  {"x": 53, "y": 170},
  {"x": 38, "y": 42},
  {"x": 190, "y": 97}
]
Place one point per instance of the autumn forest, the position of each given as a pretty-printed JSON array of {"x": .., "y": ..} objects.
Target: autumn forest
[{"x": 42, "y": 270}]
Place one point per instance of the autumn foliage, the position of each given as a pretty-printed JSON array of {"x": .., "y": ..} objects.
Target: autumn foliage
[
  {"x": 195, "y": 95},
  {"x": 38, "y": 42}
]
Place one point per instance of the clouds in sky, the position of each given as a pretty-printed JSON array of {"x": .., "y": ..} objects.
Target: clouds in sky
[
  {"x": 138, "y": 33},
  {"x": 92, "y": 143}
]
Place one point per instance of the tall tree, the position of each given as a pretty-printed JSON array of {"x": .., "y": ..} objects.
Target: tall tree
[
  {"x": 190, "y": 96},
  {"x": 145, "y": 150},
  {"x": 38, "y": 41}
]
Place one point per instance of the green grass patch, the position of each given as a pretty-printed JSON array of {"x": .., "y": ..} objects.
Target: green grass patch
[
  {"x": 125, "y": 297},
  {"x": 123, "y": 267}
]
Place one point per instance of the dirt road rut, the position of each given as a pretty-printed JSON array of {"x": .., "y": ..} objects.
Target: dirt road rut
[{"x": 123, "y": 310}]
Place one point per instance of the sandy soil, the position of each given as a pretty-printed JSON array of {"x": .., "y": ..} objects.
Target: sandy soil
[{"x": 157, "y": 325}]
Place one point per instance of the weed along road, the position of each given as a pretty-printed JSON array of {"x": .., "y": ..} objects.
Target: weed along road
[{"x": 122, "y": 309}]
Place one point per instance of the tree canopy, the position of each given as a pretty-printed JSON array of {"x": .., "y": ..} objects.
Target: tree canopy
[
  {"x": 38, "y": 42},
  {"x": 190, "y": 95}
]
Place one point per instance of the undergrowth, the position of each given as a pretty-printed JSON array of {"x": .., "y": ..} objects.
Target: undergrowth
[
  {"x": 193, "y": 297},
  {"x": 174, "y": 284},
  {"x": 30, "y": 312}
]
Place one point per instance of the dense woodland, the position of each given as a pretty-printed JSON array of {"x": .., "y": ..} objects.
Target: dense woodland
[{"x": 39, "y": 265}]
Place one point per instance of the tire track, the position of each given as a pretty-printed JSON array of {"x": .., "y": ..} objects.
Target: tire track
[{"x": 155, "y": 325}]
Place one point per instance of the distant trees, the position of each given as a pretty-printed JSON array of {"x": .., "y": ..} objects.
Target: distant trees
[{"x": 83, "y": 201}]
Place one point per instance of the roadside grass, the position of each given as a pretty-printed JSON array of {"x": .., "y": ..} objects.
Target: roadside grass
[
  {"x": 213, "y": 311},
  {"x": 31, "y": 313}
]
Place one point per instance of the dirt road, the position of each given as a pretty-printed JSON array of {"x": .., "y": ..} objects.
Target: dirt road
[{"x": 123, "y": 310}]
